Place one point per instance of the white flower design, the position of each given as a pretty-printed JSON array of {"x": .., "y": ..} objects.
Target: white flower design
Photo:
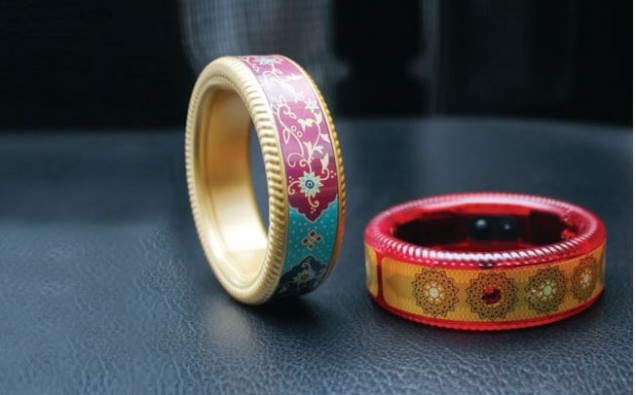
[
  {"x": 435, "y": 293},
  {"x": 586, "y": 278},
  {"x": 310, "y": 184},
  {"x": 311, "y": 105}
]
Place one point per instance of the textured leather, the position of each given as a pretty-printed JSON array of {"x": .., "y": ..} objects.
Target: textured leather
[{"x": 104, "y": 287}]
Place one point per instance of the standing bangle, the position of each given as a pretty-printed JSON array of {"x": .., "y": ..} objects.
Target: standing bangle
[
  {"x": 485, "y": 261},
  {"x": 303, "y": 165}
]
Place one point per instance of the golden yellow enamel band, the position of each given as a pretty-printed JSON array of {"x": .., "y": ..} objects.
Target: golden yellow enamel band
[
  {"x": 411, "y": 288},
  {"x": 485, "y": 261}
]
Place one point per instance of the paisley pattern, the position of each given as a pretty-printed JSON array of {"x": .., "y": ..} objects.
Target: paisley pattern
[{"x": 310, "y": 169}]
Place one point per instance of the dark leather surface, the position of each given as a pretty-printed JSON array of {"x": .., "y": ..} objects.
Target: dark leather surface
[{"x": 104, "y": 287}]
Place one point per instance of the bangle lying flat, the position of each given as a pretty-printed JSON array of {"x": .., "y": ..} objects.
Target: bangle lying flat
[
  {"x": 304, "y": 171},
  {"x": 485, "y": 261}
]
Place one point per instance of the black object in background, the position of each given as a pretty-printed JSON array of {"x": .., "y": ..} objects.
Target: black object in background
[
  {"x": 550, "y": 59},
  {"x": 98, "y": 63},
  {"x": 119, "y": 63},
  {"x": 377, "y": 41}
]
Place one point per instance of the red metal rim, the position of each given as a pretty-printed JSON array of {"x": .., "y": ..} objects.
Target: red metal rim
[{"x": 379, "y": 234}]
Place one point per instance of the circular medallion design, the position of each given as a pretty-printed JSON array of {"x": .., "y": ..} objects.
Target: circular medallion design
[
  {"x": 584, "y": 278},
  {"x": 492, "y": 295},
  {"x": 546, "y": 290},
  {"x": 434, "y": 292}
]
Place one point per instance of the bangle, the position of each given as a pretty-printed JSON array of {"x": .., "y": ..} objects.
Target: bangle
[
  {"x": 485, "y": 261},
  {"x": 304, "y": 171}
]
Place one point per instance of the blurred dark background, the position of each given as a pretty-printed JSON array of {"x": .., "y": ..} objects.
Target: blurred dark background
[{"x": 116, "y": 63}]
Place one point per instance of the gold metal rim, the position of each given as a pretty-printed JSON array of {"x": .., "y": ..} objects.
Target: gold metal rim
[{"x": 231, "y": 74}]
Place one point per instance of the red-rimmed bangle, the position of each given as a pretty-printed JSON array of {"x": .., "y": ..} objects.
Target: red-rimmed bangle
[{"x": 485, "y": 261}]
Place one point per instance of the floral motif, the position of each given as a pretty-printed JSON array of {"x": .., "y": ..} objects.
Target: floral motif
[
  {"x": 584, "y": 278},
  {"x": 310, "y": 184},
  {"x": 492, "y": 295},
  {"x": 435, "y": 292},
  {"x": 304, "y": 135},
  {"x": 310, "y": 169},
  {"x": 311, "y": 105},
  {"x": 545, "y": 290},
  {"x": 302, "y": 278}
]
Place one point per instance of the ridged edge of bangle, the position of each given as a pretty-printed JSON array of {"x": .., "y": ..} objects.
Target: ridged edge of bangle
[
  {"x": 239, "y": 78},
  {"x": 386, "y": 243},
  {"x": 305, "y": 176},
  {"x": 485, "y": 291}
]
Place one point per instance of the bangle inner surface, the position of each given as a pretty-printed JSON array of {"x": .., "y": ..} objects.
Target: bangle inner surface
[
  {"x": 233, "y": 225},
  {"x": 484, "y": 228}
]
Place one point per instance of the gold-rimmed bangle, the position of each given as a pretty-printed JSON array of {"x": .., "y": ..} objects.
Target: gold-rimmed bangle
[{"x": 303, "y": 166}]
